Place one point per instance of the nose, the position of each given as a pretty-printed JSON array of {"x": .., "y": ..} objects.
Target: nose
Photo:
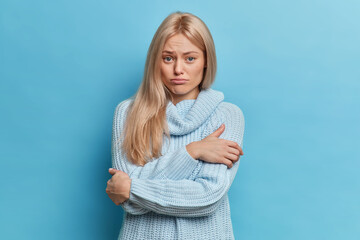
[{"x": 178, "y": 68}]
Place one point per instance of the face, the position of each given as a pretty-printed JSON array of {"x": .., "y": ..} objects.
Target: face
[{"x": 182, "y": 67}]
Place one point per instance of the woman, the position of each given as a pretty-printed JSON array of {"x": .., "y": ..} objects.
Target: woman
[{"x": 176, "y": 143}]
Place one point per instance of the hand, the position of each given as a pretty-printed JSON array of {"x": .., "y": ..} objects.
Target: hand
[
  {"x": 213, "y": 149},
  {"x": 118, "y": 187}
]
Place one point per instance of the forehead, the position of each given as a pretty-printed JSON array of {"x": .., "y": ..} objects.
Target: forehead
[{"x": 180, "y": 43}]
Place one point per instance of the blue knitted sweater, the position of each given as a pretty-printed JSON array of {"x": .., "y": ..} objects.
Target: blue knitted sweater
[{"x": 176, "y": 196}]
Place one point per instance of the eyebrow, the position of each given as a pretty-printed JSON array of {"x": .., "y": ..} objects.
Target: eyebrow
[{"x": 185, "y": 53}]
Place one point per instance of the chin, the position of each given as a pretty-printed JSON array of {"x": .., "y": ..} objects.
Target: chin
[{"x": 180, "y": 90}]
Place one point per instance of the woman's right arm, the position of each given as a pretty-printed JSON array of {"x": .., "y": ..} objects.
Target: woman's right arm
[{"x": 168, "y": 166}]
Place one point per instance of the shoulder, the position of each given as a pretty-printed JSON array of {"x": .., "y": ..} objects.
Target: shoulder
[
  {"x": 229, "y": 114},
  {"x": 123, "y": 106},
  {"x": 227, "y": 110},
  {"x": 121, "y": 110}
]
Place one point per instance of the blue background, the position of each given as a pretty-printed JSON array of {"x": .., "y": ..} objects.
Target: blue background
[{"x": 291, "y": 66}]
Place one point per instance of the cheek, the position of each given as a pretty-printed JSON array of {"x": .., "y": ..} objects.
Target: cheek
[
  {"x": 198, "y": 69},
  {"x": 164, "y": 70}
]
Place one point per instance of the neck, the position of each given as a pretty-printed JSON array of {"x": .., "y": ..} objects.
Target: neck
[{"x": 192, "y": 95}]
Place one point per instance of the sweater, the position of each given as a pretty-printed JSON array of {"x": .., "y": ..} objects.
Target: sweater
[{"x": 176, "y": 196}]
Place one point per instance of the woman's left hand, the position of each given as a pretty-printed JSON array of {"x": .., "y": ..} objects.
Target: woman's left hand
[{"x": 118, "y": 187}]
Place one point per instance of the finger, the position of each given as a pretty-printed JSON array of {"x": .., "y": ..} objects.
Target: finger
[
  {"x": 235, "y": 145},
  {"x": 240, "y": 149},
  {"x": 218, "y": 131},
  {"x": 228, "y": 163},
  {"x": 112, "y": 171},
  {"x": 233, "y": 148},
  {"x": 116, "y": 198},
  {"x": 234, "y": 151},
  {"x": 232, "y": 157}
]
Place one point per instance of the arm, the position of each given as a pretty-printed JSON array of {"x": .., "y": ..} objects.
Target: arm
[
  {"x": 171, "y": 163},
  {"x": 167, "y": 166},
  {"x": 201, "y": 195}
]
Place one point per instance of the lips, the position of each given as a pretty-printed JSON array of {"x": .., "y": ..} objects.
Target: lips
[{"x": 178, "y": 81}]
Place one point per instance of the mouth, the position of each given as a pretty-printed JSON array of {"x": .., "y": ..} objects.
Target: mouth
[{"x": 179, "y": 80}]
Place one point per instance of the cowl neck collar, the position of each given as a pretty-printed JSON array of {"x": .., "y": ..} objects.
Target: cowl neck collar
[{"x": 189, "y": 114}]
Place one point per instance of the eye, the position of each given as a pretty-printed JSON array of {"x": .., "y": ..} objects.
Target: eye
[
  {"x": 167, "y": 59},
  {"x": 191, "y": 59}
]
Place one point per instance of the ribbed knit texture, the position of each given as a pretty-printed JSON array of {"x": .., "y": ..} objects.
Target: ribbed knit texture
[{"x": 176, "y": 196}]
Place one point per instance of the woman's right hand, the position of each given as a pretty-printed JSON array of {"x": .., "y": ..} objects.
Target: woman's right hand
[{"x": 213, "y": 149}]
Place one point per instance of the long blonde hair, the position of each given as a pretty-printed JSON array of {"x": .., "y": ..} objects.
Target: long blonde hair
[{"x": 146, "y": 118}]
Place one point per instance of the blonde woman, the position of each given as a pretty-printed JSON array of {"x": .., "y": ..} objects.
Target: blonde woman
[{"x": 176, "y": 143}]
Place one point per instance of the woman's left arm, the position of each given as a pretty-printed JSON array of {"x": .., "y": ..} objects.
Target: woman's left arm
[{"x": 201, "y": 195}]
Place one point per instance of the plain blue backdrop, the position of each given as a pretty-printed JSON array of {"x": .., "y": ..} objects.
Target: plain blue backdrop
[{"x": 291, "y": 66}]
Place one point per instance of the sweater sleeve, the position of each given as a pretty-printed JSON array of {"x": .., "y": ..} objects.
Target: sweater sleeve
[
  {"x": 168, "y": 166},
  {"x": 201, "y": 195}
]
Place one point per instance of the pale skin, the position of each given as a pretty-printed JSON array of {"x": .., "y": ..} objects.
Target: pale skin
[{"x": 181, "y": 59}]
